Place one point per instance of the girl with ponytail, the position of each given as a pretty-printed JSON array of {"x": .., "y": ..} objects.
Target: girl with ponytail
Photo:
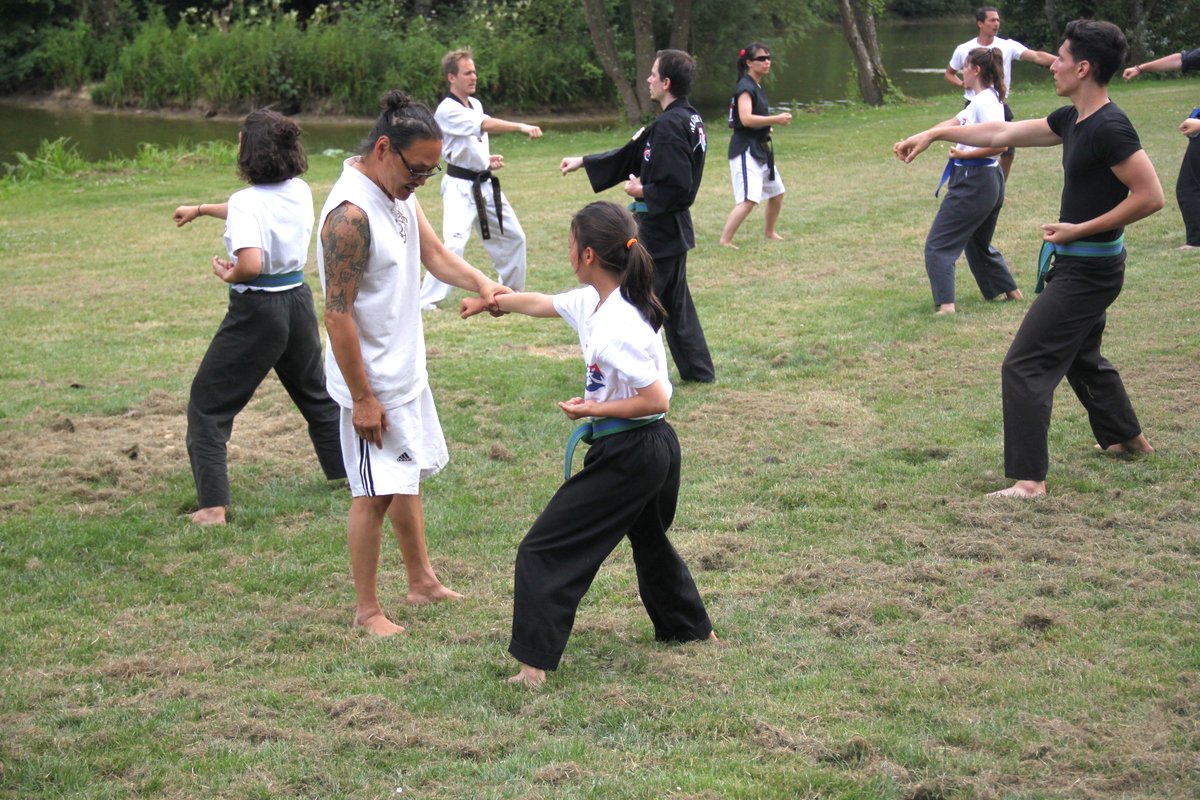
[
  {"x": 629, "y": 484},
  {"x": 974, "y": 195}
]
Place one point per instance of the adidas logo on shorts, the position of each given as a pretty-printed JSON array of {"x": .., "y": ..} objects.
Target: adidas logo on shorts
[{"x": 404, "y": 458}]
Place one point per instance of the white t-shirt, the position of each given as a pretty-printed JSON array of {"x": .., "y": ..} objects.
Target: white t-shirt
[
  {"x": 621, "y": 352},
  {"x": 984, "y": 107},
  {"x": 464, "y": 142},
  {"x": 1010, "y": 49},
  {"x": 277, "y": 218},
  {"x": 387, "y": 309}
]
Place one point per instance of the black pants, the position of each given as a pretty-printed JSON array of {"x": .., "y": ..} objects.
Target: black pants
[
  {"x": 1060, "y": 336},
  {"x": 1187, "y": 191},
  {"x": 628, "y": 486},
  {"x": 966, "y": 221},
  {"x": 261, "y": 331},
  {"x": 685, "y": 337}
]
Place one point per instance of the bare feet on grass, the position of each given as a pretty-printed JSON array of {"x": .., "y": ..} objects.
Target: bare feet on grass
[
  {"x": 945, "y": 308},
  {"x": 774, "y": 237},
  {"x": 528, "y": 677},
  {"x": 1023, "y": 490},
  {"x": 1137, "y": 445},
  {"x": 432, "y": 593},
  {"x": 213, "y": 515},
  {"x": 729, "y": 244},
  {"x": 377, "y": 624},
  {"x": 1015, "y": 294}
]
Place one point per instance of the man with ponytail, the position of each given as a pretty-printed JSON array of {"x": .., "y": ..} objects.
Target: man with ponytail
[
  {"x": 373, "y": 239},
  {"x": 629, "y": 484},
  {"x": 1109, "y": 183},
  {"x": 661, "y": 168}
]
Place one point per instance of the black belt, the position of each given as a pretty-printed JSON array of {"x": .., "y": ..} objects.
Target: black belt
[{"x": 477, "y": 180}]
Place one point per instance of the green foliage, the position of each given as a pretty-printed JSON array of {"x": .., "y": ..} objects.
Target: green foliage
[
  {"x": 917, "y": 9},
  {"x": 1153, "y": 27},
  {"x": 60, "y": 159}
]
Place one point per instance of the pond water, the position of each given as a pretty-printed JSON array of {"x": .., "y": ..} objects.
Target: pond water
[{"x": 814, "y": 70}]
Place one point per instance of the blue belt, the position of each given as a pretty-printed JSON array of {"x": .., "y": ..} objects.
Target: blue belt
[
  {"x": 275, "y": 281},
  {"x": 597, "y": 428},
  {"x": 960, "y": 162},
  {"x": 1084, "y": 249},
  {"x": 638, "y": 207}
]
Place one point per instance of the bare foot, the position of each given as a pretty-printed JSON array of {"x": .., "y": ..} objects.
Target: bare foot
[
  {"x": 1138, "y": 444},
  {"x": 774, "y": 237},
  {"x": 729, "y": 244},
  {"x": 529, "y": 677},
  {"x": 1023, "y": 490},
  {"x": 945, "y": 308},
  {"x": 213, "y": 515},
  {"x": 377, "y": 624},
  {"x": 1190, "y": 247},
  {"x": 435, "y": 593},
  {"x": 712, "y": 636},
  {"x": 1015, "y": 294}
]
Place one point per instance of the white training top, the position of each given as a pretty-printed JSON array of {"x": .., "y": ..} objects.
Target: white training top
[
  {"x": 387, "y": 309},
  {"x": 277, "y": 218},
  {"x": 1010, "y": 48},
  {"x": 984, "y": 107},
  {"x": 464, "y": 142},
  {"x": 621, "y": 352}
]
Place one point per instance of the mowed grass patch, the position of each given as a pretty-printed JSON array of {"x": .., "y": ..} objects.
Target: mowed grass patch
[{"x": 887, "y": 630}]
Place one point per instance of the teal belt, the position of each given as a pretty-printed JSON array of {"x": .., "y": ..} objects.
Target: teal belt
[
  {"x": 638, "y": 207},
  {"x": 1084, "y": 249},
  {"x": 598, "y": 428},
  {"x": 275, "y": 281}
]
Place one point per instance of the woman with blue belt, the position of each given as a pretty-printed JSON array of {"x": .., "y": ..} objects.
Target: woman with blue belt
[{"x": 967, "y": 217}]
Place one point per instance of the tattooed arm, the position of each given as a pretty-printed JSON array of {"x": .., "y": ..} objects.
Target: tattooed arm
[{"x": 345, "y": 248}]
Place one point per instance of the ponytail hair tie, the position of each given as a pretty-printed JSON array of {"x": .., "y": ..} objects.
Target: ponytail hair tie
[
  {"x": 741, "y": 52},
  {"x": 630, "y": 243}
]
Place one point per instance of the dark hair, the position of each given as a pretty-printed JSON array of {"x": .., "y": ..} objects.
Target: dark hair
[
  {"x": 990, "y": 61},
  {"x": 403, "y": 121},
  {"x": 1101, "y": 44},
  {"x": 982, "y": 12},
  {"x": 609, "y": 229},
  {"x": 270, "y": 149},
  {"x": 679, "y": 68},
  {"x": 451, "y": 59},
  {"x": 748, "y": 52}
]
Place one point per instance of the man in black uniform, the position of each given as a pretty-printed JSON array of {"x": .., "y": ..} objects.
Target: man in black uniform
[
  {"x": 661, "y": 168},
  {"x": 1108, "y": 183}
]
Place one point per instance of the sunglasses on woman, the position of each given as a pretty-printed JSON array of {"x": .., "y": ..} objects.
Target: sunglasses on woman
[{"x": 759, "y": 58}]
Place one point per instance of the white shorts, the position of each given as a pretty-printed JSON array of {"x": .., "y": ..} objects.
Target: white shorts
[
  {"x": 413, "y": 449},
  {"x": 750, "y": 179}
]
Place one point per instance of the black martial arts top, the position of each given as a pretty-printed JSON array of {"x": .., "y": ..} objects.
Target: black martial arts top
[
  {"x": 668, "y": 156},
  {"x": 753, "y": 139},
  {"x": 1091, "y": 148}
]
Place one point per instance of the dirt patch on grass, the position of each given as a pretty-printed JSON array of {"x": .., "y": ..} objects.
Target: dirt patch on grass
[{"x": 97, "y": 461}]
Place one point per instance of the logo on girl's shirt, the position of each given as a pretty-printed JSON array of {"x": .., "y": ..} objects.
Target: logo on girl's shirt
[{"x": 595, "y": 378}]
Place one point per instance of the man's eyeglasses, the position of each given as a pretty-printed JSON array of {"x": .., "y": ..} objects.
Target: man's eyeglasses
[
  {"x": 759, "y": 58},
  {"x": 429, "y": 173}
]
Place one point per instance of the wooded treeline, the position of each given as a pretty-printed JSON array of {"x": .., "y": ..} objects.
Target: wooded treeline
[{"x": 560, "y": 55}]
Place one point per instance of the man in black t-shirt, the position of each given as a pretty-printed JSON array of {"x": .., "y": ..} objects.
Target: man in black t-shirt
[
  {"x": 1187, "y": 188},
  {"x": 1108, "y": 183}
]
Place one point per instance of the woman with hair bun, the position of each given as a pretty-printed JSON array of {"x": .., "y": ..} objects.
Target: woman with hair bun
[
  {"x": 270, "y": 322},
  {"x": 974, "y": 195},
  {"x": 629, "y": 484},
  {"x": 751, "y": 157}
]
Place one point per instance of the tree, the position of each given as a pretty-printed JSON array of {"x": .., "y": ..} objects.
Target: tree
[
  {"x": 634, "y": 94},
  {"x": 858, "y": 26}
]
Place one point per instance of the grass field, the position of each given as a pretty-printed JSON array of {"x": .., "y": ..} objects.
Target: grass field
[{"x": 887, "y": 630}]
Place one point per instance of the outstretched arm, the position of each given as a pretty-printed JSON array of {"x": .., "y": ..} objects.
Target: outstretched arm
[
  {"x": 495, "y": 125},
  {"x": 185, "y": 214},
  {"x": 1145, "y": 198},
  {"x": 1171, "y": 63},
  {"x": 1039, "y": 57},
  {"x": 448, "y": 267},
  {"x": 1023, "y": 133},
  {"x": 531, "y": 304}
]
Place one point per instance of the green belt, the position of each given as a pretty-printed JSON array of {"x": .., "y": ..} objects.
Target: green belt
[
  {"x": 277, "y": 280},
  {"x": 1084, "y": 249},
  {"x": 598, "y": 428},
  {"x": 638, "y": 207}
]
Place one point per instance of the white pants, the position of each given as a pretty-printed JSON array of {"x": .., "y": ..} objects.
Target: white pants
[
  {"x": 459, "y": 216},
  {"x": 750, "y": 179}
]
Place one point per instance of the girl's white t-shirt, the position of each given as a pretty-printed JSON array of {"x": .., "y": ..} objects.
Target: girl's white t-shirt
[
  {"x": 985, "y": 107},
  {"x": 621, "y": 352},
  {"x": 276, "y": 218}
]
